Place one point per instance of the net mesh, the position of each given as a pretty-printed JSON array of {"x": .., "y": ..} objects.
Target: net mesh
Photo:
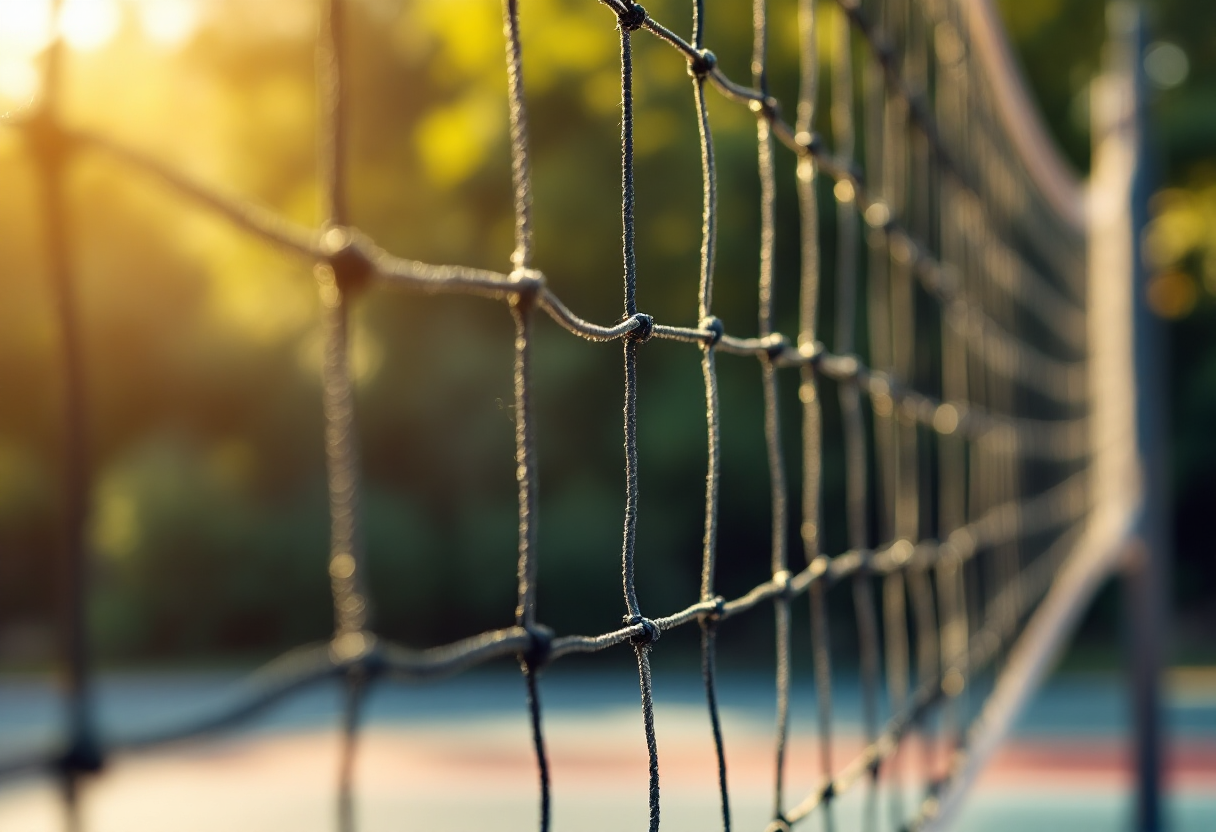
[{"x": 952, "y": 269}]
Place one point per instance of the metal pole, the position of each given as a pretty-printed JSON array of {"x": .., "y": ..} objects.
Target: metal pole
[
  {"x": 1123, "y": 180},
  {"x": 1145, "y": 578}
]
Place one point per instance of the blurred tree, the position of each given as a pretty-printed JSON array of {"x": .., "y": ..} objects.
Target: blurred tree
[{"x": 203, "y": 349}]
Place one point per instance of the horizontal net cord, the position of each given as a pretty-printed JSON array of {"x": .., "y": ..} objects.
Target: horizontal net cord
[
  {"x": 1061, "y": 380},
  {"x": 940, "y": 280},
  {"x": 1011, "y": 356},
  {"x": 976, "y": 317},
  {"x": 305, "y": 666},
  {"x": 919, "y": 115},
  {"x": 1068, "y": 584},
  {"x": 876, "y": 211},
  {"x": 1014, "y": 357},
  {"x": 1052, "y": 376},
  {"x": 982, "y": 649}
]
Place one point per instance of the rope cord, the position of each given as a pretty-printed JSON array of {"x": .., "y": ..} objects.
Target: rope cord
[{"x": 941, "y": 257}]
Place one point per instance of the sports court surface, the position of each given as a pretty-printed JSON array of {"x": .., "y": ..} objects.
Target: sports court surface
[{"x": 456, "y": 755}]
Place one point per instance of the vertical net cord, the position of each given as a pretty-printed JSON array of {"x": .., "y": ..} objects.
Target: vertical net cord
[
  {"x": 522, "y": 305},
  {"x": 525, "y": 469},
  {"x": 807, "y": 394},
  {"x": 772, "y": 416},
  {"x": 356, "y": 688},
  {"x": 878, "y": 287},
  {"x": 952, "y": 451},
  {"x": 910, "y": 508},
  {"x": 709, "y": 222},
  {"x": 900, "y": 138},
  {"x": 958, "y": 579},
  {"x": 1004, "y": 397},
  {"x": 521, "y": 168},
  {"x": 849, "y": 396},
  {"x": 894, "y": 308},
  {"x": 973, "y": 237},
  {"x": 968, "y": 588},
  {"x": 633, "y": 613},
  {"x": 879, "y": 172},
  {"x": 337, "y": 389},
  {"x": 50, "y": 151}
]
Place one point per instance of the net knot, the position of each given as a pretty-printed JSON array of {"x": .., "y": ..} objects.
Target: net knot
[
  {"x": 778, "y": 824},
  {"x": 526, "y": 285},
  {"x": 775, "y": 345},
  {"x": 713, "y": 326},
  {"x": 540, "y": 646},
  {"x": 374, "y": 663},
  {"x": 352, "y": 268},
  {"x": 353, "y": 647},
  {"x": 811, "y": 351},
  {"x": 770, "y": 106},
  {"x": 643, "y": 331},
  {"x": 865, "y": 562},
  {"x": 781, "y": 580},
  {"x": 810, "y": 142},
  {"x": 716, "y": 611},
  {"x": 883, "y": 50},
  {"x": 633, "y": 18},
  {"x": 83, "y": 756},
  {"x": 702, "y": 64},
  {"x": 650, "y": 631}
]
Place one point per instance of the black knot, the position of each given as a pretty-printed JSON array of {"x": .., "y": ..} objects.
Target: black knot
[
  {"x": 527, "y": 285},
  {"x": 650, "y": 631},
  {"x": 632, "y": 19},
  {"x": 884, "y": 51},
  {"x": 351, "y": 266},
  {"x": 714, "y": 615},
  {"x": 829, "y": 792},
  {"x": 702, "y": 64},
  {"x": 776, "y": 346},
  {"x": 714, "y": 327},
  {"x": 82, "y": 757},
  {"x": 874, "y": 768},
  {"x": 856, "y": 175},
  {"x": 769, "y": 105},
  {"x": 812, "y": 143},
  {"x": 782, "y": 581},
  {"x": 645, "y": 328},
  {"x": 373, "y": 663},
  {"x": 811, "y": 353},
  {"x": 540, "y": 645}
]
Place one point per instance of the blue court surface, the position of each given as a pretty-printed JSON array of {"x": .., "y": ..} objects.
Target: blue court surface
[{"x": 456, "y": 755}]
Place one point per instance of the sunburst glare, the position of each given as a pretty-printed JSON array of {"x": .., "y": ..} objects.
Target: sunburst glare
[{"x": 27, "y": 28}]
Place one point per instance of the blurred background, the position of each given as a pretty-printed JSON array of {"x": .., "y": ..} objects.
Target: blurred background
[
  {"x": 209, "y": 520},
  {"x": 202, "y": 344}
]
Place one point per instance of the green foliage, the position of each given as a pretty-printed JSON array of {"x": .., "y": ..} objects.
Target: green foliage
[{"x": 209, "y": 514}]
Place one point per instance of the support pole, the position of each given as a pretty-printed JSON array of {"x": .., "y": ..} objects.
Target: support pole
[{"x": 1129, "y": 384}]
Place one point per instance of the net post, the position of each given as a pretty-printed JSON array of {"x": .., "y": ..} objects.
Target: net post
[
  {"x": 1129, "y": 391},
  {"x": 52, "y": 149}
]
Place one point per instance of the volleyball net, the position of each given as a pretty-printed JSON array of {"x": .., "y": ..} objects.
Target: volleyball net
[{"x": 986, "y": 387}]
